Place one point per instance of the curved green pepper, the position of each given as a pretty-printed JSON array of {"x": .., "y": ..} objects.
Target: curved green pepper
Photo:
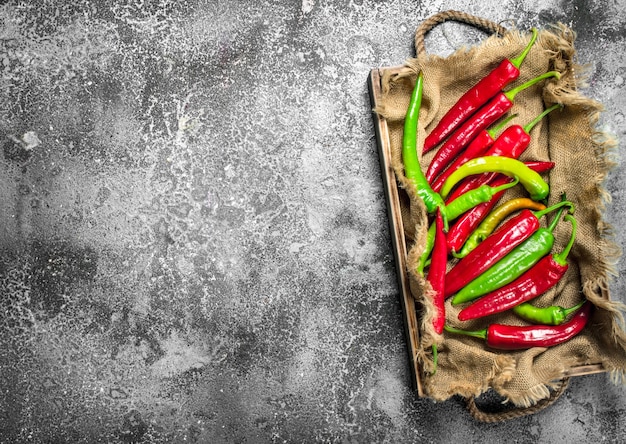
[
  {"x": 531, "y": 180},
  {"x": 457, "y": 207}
]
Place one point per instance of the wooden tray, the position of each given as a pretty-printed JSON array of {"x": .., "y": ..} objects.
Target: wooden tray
[{"x": 399, "y": 242}]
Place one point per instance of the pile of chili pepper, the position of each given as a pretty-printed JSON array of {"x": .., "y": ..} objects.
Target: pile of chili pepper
[{"x": 491, "y": 254}]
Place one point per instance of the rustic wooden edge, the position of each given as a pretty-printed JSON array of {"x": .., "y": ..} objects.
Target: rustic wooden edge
[
  {"x": 396, "y": 229},
  {"x": 398, "y": 239}
]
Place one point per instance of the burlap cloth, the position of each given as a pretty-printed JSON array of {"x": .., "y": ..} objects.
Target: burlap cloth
[{"x": 582, "y": 155}]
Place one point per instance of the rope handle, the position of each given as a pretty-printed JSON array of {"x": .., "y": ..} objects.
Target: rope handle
[
  {"x": 516, "y": 412},
  {"x": 457, "y": 16}
]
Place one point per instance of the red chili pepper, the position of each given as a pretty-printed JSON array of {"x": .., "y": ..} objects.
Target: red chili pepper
[
  {"x": 540, "y": 166},
  {"x": 472, "y": 183},
  {"x": 485, "y": 116},
  {"x": 510, "y": 234},
  {"x": 437, "y": 279},
  {"x": 515, "y": 139},
  {"x": 477, "y": 147},
  {"x": 543, "y": 276},
  {"x": 467, "y": 223},
  {"x": 512, "y": 142},
  {"x": 437, "y": 273},
  {"x": 509, "y": 337},
  {"x": 478, "y": 95}
]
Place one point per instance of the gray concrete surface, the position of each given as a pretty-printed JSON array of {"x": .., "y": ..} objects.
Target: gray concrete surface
[{"x": 193, "y": 234}]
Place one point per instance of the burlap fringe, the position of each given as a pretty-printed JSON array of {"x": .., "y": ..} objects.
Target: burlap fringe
[{"x": 596, "y": 290}]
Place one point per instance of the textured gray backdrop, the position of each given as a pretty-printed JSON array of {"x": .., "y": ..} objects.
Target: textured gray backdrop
[{"x": 193, "y": 235}]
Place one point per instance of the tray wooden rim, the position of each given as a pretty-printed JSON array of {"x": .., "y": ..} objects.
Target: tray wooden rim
[{"x": 411, "y": 323}]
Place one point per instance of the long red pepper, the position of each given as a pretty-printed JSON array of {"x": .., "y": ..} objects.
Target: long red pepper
[
  {"x": 437, "y": 273},
  {"x": 511, "y": 143},
  {"x": 437, "y": 279},
  {"x": 477, "y": 147},
  {"x": 509, "y": 337},
  {"x": 471, "y": 184},
  {"x": 534, "y": 282},
  {"x": 509, "y": 235},
  {"x": 484, "y": 117},
  {"x": 478, "y": 95},
  {"x": 467, "y": 223}
]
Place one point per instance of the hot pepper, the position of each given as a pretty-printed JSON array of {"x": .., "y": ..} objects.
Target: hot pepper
[
  {"x": 478, "y": 95},
  {"x": 552, "y": 315},
  {"x": 466, "y": 223},
  {"x": 510, "y": 267},
  {"x": 511, "y": 143},
  {"x": 540, "y": 166},
  {"x": 437, "y": 278},
  {"x": 470, "y": 184},
  {"x": 512, "y": 233},
  {"x": 509, "y": 337},
  {"x": 437, "y": 273},
  {"x": 515, "y": 139},
  {"x": 484, "y": 117},
  {"x": 489, "y": 224},
  {"x": 531, "y": 180},
  {"x": 534, "y": 282},
  {"x": 477, "y": 147},
  {"x": 459, "y": 206},
  {"x": 412, "y": 168}
]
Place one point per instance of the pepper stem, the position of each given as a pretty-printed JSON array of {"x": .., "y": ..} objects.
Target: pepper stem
[
  {"x": 517, "y": 61},
  {"x": 563, "y": 203},
  {"x": 555, "y": 221},
  {"x": 561, "y": 258},
  {"x": 558, "y": 215},
  {"x": 506, "y": 186},
  {"x": 444, "y": 217},
  {"x": 513, "y": 92},
  {"x": 575, "y": 308},
  {"x": 530, "y": 125},
  {"x": 481, "y": 334},
  {"x": 494, "y": 130},
  {"x": 435, "y": 355}
]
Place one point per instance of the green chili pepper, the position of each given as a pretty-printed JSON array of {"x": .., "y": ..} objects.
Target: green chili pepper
[
  {"x": 511, "y": 266},
  {"x": 470, "y": 199},
  {"x": 553, "y": 315},
  {"x": 412, "y": 168},
  {"x": 531, "y": 180},
  {"x": 457, "y": 207}
]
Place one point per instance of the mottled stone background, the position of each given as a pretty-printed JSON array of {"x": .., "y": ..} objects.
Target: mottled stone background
[{"x": 193, "y": 234}]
